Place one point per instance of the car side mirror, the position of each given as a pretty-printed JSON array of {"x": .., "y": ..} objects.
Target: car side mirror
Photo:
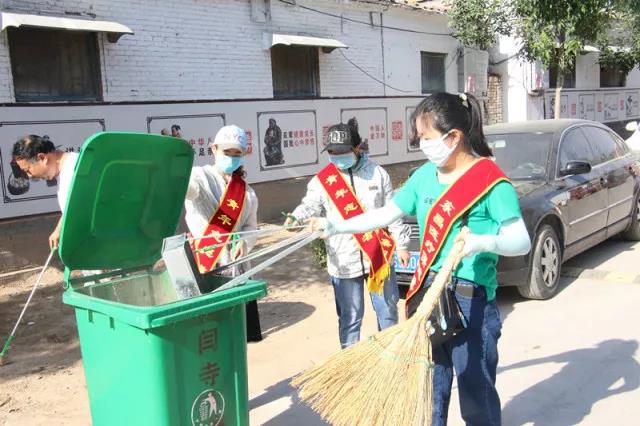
[
  {"x": 631, "y": 126},
  {"x": 576, "y": 168}
]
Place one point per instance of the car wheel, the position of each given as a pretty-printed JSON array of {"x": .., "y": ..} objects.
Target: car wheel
[
  {"x": 632, "y": 233},
  {"x": 545, "y": 265}
]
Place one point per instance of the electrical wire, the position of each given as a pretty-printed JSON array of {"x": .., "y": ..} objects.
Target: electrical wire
[
  {"x": 369, "y": 24},
  {"x": 459, "y": 54},
  {"x": 365, "y": 72}
]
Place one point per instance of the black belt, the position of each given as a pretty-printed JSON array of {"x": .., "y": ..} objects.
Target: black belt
[{"x": 463, "y": 288}]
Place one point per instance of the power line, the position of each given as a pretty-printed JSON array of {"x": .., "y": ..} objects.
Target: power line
[
  {"x": 459, "y": 54},
  {"x": 365, "y": 72},
  {"x": 369, "y": 24}
]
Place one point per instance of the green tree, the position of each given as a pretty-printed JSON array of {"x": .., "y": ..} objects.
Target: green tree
[
  {"x": 554, "y": 32},
  {"x": 478, "y": 23},
  {"x": 620, "y": 46}
]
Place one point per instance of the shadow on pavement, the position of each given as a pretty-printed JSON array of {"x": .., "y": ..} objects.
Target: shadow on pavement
[
  {"x": 507, "y": 297},
  {"x": 603, "y": 252},
  {"x": 295, "y": 272},
  {"x": 296, "y": 414},
  {"x": 588, "y": 376},
  {"x": 275, "y": 316}
]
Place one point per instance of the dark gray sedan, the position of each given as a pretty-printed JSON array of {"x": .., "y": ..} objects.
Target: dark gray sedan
[{"x": 578, "y": 185}]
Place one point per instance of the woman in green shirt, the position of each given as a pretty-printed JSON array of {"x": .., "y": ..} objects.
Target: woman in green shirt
[{"x": 449, "y": 128}]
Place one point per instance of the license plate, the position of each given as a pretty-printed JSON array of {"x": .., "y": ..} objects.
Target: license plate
[{"x": 413, "y": 263}]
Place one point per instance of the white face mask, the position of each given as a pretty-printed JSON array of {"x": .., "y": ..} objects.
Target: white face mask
[{"x": 436, "y": 150}]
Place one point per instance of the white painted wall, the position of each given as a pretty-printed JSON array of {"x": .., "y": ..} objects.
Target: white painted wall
[
  {"x": 402, "y": 50},
  {"x": 519, "y": 105},
  {"x": 633, "y": 79},
  {"x": 206, "y": 49},
  {"x": 587, "y": 71},
  {"x": 515, "y": 101},
  {"x": 69, "y": 127}
]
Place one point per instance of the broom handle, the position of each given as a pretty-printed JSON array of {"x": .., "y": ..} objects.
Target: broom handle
[
  {"x": 441, "y": 280},
  {"x": 5, "y": 348}
]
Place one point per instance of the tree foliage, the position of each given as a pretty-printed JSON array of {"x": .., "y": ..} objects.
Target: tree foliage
[
  {"x": 479, "y": 23},
  {"x": 554, "y": 32},
  {"x": 620, "y": 46}
]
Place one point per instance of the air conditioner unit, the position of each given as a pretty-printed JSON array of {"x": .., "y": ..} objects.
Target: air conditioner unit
[{"x": 473, "y": 69}]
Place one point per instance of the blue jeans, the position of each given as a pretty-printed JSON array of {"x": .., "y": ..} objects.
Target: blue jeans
[
  {"x": 473, "y": 355},
  {"x": 349, "y": 294}
]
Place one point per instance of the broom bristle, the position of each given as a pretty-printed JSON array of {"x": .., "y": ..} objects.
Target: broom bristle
[
  {"x": 350, "y": 389},
  {"x": 385, "y": 379}
]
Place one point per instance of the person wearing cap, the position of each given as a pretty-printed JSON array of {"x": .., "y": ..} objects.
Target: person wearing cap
[
  {"x": 218, "y": 192},
  {"x": 349, "y": 184}
]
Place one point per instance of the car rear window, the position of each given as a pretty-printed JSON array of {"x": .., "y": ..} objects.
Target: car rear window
[{"x": 522, "y": 156}]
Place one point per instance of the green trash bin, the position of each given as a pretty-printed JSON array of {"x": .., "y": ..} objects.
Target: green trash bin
[{"x": 149, "y": 358}]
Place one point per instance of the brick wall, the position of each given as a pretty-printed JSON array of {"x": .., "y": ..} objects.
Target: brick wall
[
  {"x": 493, "y": 106},
  {"x": 206, "y": 49},
  {"x": 6, "y": 80}
]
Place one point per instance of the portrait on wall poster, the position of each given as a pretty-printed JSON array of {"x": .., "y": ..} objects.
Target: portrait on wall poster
[
  {"x": 611, "y": 107},
  {"x": 407, "y": 113},
  {"x": 564, "y": 103},
  {"x": 287, "y": 139},
  {"x": 587, "y": 108},
  {"x": 21, "y": 195},
  {"x": 631, "y": 104}
]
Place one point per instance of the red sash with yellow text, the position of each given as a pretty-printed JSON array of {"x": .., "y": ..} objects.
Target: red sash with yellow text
[
  {"x": 377, "y": 245},
  {"x": 449, "y": 207},
  {"x": 223, "y": 221}
]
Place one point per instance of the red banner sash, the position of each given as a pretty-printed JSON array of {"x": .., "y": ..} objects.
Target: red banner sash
[
  {"x": 449, "y": 207},
  {"x": 377, "y": 245},
  {"x": 223, "y": 221}
]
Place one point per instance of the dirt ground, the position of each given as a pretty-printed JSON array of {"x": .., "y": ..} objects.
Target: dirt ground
[{"x": 44, "y": 382}]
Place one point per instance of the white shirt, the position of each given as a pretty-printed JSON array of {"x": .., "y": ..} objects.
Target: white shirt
[
  {"x": 206, "y": 187},
  {"x": 373, "y": 188},
  {"x": 65, "y": 177}
]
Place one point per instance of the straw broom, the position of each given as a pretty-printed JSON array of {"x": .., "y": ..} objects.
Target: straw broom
[{"x": 386, "y": 379}]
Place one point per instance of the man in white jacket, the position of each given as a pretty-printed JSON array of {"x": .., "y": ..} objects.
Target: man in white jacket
[{"x": 348, "y": 267}]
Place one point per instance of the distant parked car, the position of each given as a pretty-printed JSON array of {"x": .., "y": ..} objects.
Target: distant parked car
[{"x": 578, "y": 185}]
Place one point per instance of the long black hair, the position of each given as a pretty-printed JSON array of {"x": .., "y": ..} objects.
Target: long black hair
[
  {"x": 28, "y": 147},
  {"x": 447, "y": 111}
]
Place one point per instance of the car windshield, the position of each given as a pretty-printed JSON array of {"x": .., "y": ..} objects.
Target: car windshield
[{"x": 522, "y": 156}]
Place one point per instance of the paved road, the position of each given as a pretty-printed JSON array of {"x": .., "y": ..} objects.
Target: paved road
[{"x": 570, "y": 360}]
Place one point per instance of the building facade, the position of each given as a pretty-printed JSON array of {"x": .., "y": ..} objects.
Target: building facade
[
  {"x": 589, "y": 92},
  {"x": 283, "y": 70}
]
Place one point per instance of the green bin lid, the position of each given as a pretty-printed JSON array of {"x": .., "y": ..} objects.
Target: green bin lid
[{"x": 126, "y": 196}]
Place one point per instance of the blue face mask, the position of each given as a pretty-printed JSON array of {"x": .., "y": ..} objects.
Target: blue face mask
[
  {"x": 227, "y": 164},
  {"x": 343, "y": 161}
]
